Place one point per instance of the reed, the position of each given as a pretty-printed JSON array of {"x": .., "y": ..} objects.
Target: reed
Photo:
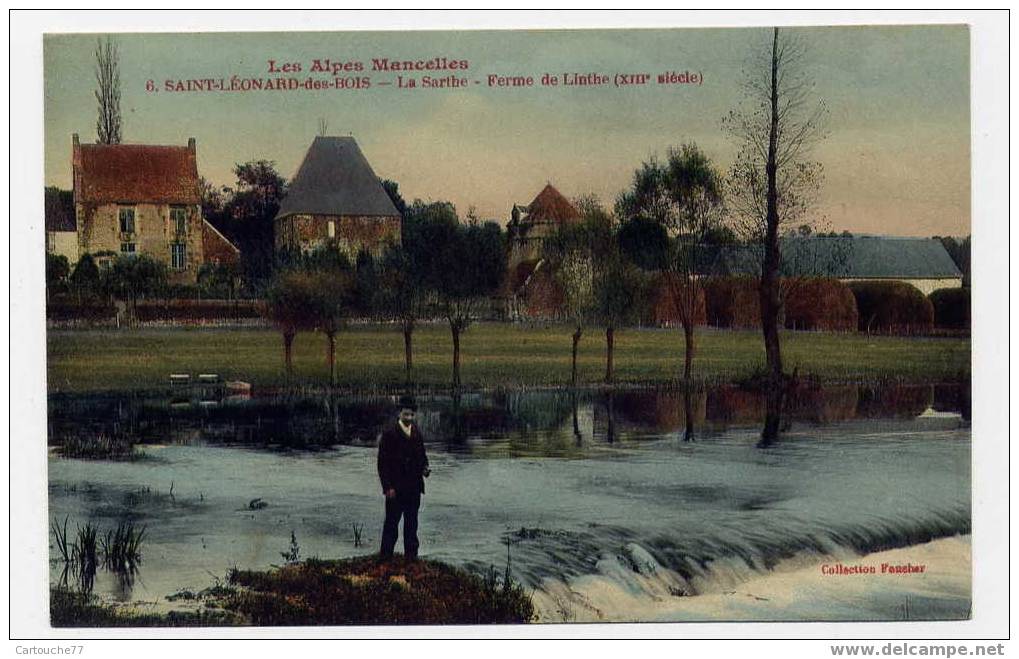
[
  {"x": 65, "y": 548},
  {"x": 121, "y": 547},
  {"x": 96, "y": 446},
  {"x": 86, "y": 549}
]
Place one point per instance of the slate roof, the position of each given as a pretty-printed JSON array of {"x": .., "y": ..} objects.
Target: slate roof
[
  {"x": 133, "y": 173},
  {"x": 848, "y": 257},
  {"x": 336, "y": 179},
  {"x": 59, "y": 210},
  {"x": 551, "y": 206}
]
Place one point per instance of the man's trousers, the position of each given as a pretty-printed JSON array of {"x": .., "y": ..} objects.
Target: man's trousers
[{"x": 404, "y": 504}]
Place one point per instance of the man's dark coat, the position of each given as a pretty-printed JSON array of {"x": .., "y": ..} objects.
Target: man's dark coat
[{"x": 402, "y": 460}]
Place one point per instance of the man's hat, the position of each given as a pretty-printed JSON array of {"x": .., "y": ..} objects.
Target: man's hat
[{"x": 408, "y": 403}]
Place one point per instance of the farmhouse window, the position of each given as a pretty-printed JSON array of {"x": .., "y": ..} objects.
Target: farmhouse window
[
  {"x": 127, "y": 219},
  {"x": 178, "y": 256},
  {"x": 179, "y": 220},
  {"x": 332, "y": 229},
  {"x": 127, "y": 248}
]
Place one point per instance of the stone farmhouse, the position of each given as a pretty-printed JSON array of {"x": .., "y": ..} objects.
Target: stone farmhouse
[
  {"x": 144, "y": 199},
  {"x": 336, "y": 200}
]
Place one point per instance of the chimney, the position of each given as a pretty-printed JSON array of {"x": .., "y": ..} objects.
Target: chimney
[
  {"x": 191, "y": 144},
  {"x": 75, "y": 151}
]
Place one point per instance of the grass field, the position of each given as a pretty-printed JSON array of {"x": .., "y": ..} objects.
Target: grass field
[{"x": 492, "y": 355}]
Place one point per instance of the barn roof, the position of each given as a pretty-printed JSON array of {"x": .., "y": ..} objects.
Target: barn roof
[
  {"x": 132, "y": 173},
  {"x": 850, "y": 257},
  {"x": 59, "y": 210},
  {"x": 551, "y": 206},
  {"x": 336, "y": 179}
]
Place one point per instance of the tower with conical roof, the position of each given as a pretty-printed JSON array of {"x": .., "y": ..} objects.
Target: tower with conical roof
[
  {"x": 530, "y": 225},
  {"x": 336, "y": 200}
]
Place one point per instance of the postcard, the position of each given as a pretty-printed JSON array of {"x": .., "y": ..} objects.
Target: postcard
[{"x": 528, "y": 326}]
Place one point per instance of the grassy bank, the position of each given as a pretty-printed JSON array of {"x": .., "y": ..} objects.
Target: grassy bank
[
  {"x": 493, "y": 355},
  {"x": 355, "y": 591}
]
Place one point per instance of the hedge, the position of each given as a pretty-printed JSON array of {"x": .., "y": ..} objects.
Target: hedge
[
  {"x": 819, "y": 303},
  {"x": 894, "y": 307},
  {"x": 951, "y": 308},
  {"x": 732, "y": 302},
  {"x": 814, "y": 303},
  {"x": 89, "y": 311},
  {"x": 193, "y": 311},
  {"x": 668, "y": 289}
]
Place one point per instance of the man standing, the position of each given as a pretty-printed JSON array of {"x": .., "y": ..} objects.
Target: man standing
[{"x": 403, "y": 467}]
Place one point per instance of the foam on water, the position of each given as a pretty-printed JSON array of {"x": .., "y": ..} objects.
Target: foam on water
[{"x": 590, "y": 524}]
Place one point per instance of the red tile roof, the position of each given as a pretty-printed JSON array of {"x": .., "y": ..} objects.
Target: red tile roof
[
  {"x": 551, "y": 206},
  {"x": 111, "y": 173}
]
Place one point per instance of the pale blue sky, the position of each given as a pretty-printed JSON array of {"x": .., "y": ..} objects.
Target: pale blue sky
[{"x": 896, "y": 157}]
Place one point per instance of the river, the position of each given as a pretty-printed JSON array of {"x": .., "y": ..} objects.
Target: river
[{"x": 578, "y": 493}]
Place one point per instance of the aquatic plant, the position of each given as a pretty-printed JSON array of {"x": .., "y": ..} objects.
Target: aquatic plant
[
  {"x": 121, "y": 547},
  {"x": 97, "y": 446},
  {"x": 358, "y": 529},
  {"x": 86, "y": 549},
  {"x": 60, "y": 538},
  {"x": 292, "y": 555}
]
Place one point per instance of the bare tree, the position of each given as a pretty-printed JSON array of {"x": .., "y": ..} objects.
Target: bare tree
[
  {"x": 108, "y": 92},
  {"x": 772, "y": 180},
  {"x": 323, "y": 127}
]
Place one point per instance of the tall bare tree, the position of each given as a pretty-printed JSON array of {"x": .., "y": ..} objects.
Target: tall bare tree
[
  {"x": 773, "y": 181},
  {"x": 108, "y": 91}
]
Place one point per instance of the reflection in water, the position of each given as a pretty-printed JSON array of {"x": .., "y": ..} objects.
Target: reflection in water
[
  {"x": 588, "y": 483},
  {"x": 576, "y": 419},
  {"x": 315, "y": 422}
]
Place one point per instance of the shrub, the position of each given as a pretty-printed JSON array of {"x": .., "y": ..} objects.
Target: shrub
[
  {"x": 819, "y": 303},
  {"x": 951, "y": 308},
  {"x": 894, "y": 307}
]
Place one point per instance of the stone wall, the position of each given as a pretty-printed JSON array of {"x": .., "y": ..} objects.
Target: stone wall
[
  {"x": 350, "y": 234},
  {"x": 99, "y": 231}
]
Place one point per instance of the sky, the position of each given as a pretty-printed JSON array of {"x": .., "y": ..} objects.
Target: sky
[{"x": 896, "y": 153}]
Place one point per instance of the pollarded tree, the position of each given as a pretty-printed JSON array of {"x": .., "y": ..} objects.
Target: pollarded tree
[
  {"x": 291, "y": 304},
  {"x": 401, "y": 297},
  {"x": 334, "y": 298},
  {"x": 467, "y": 267},
  {"x": 572, "y": 253},
  {"x": 618, "y": 299},
  {"x": 773, "y": 180},
  {"x": 681, "y": 197}
]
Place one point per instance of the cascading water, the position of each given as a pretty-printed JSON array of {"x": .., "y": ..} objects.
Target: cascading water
[{"x": 601, "y": 517}]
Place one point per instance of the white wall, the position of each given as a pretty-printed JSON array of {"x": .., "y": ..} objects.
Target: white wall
[
  {"x": 63, "y": 243},
  {"x": 926, "y": 286}
]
